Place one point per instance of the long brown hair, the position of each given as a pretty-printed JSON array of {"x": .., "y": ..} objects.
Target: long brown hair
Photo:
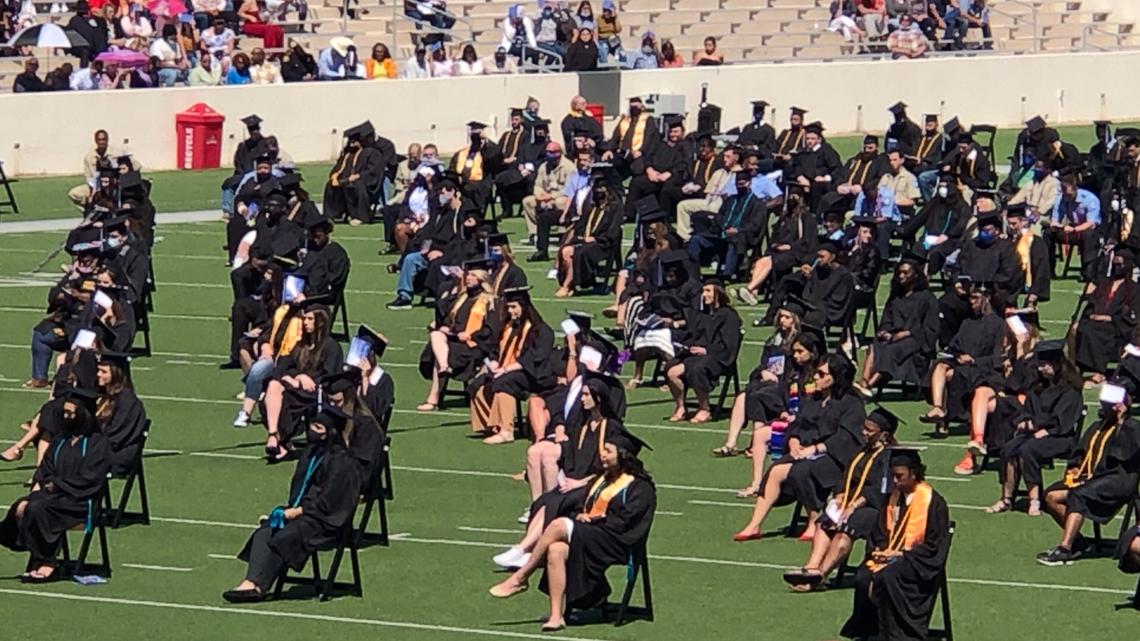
[
  {"x": 109, "y": 395},
  {"x": 312, "y": 344},
  {"x": 354, "y": 408}
]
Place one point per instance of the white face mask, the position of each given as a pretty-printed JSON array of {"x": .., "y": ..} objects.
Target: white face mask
[
  {"x": 114, "y": 242},
  {"x": 943, "y": 191},
  {"x": 444, "y": 199},
  {"x": 1115, "y": 205}
]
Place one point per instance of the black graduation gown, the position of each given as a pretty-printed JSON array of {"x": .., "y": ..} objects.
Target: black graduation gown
[
  {"x": 908, "y": 359},
  {"x": 512, "y": 144},
  {"x": 928, "y": 151},
  {"x": 1114, "y": 476},
  {"x": 244, "y": 156},
  {"x": 861, "y": 169},
  {"x": 71, "y": 477},
  {"x": 995, "y": 263},
  {"x": 569, "y": 417},
  {"x": 381, "y": 397},
  {"x": 983, "y": 339},
  {"x": 838, "y": 425},
  {"x": 865, "y": 264},
  {"x": 1039, "y": 281},
  {"x": 598, "y": 545},
  {"x": 765, "y": 400},
  {"x": 789, "y": 140},
  {"x": 365, "y": 446},
  {"x": 759, "y": 136},
  {"x": 811, "y": 164},
  {"x": 125, "y": 430},
  {"x": 477, "y": 191},
  {"x": 875, "y": 464},
  {"x": 325, "y": 270},
  {"x": 1055, "y": 408},
  {"x": 536, "y": 358},
  {"x": 718, "y": 331},
  {"x": 580, "y": 459},
  {"x": 462, "y": 359},
  {"x": 603, "y": 224},
  {"x": 831, "y": 294},
  {"x": 134, "y": 261},
  {"x": 328, "y": 501},
  {"x": 744, "y": 212},
  {"x": 584, "y": 122},
  {"x": 905, "y": 590},
  {"x": 508, "y": 276},
  {"x": 1100, "y": 342},
  {"x": 971, "y": 168},
  {"x": 354, "y": 199},
  {"x": 797, "y": 231},
  {"x": 282, "y": 237},
  {"x": 297, "y": 402},
  {"x": 905, "y": 135}
]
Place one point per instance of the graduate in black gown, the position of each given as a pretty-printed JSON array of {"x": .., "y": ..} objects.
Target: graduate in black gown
[
  {"x": 322, "y": 498},
  {"x": 65, "y": 492},
  {"x": 791, "y": 140},
  {"x": 457, "y": 345},
  {"x": 377, "y": 389},
  {"x": 1032, "y": 258},
  {"x": 665, "y": 164},
  {"x": 896, "y": 588},
  {"x": 474, "y": 165},
  {"x": 119, "y": 413},
  {"x": 729, "y": 234},
  {"x": 825, "y": 435},
  {"x": 862, "y": 171},
  {"x": 758, "y": 134},
  {"x": 1108, "y": 318},
  {"x": 792, "y": 243},
  {"x": 513, "y": 178},
  {"x": 974, "y": 359},
  {"x": 813, "y": 167},
  {"x": 855, "y": 507},
  {"x": 593, "y": 238},
  {"x": 521, "y": 366},
  {"x": 708, "y": 350},
  {"x": 941, "y": 223},
  {"x": 903, "y": 134},
  {"x": 295, "y": 379},
  {"x": 677, "y": 288},
  {"x": 244, "y": 155},
  {"x": 362, "y": 433},
  {"x": 1101, "y": 475},
  {"x": 325, "y": 266},
  {"x": 825, "y": 284},
  {"x": 577, "y": 549},
  {"x": 907, "y": 335},
  {"x": 1044, "y": 427}
]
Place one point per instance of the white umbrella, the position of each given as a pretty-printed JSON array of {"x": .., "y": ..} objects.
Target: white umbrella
[{"x": 48, "y": 35}]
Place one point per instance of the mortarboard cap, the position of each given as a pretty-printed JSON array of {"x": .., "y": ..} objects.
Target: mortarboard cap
[
  {"x": 907, "y": 456},
  {"x": 314, "y": 303},
  {"x": 987, "y": 219},
  {"x": 712, "y": 279},
  {"x": 865, "y": 221},
  {"x": 516, "y": 111},
  {"x": 286, "y": 264},
  {"x": 475, "y": 125},
  {"x": 796, "y": 305},
  {"x": 623, "y": 439},
  {"x": 121, "y": 360},
  {"x": 331, "y": 418},
  {"x": 517, "y": 294},
  {"x": 885, "y": 419},
  {"x": 315, "y": 219},
  {"x": 674, "y": 120},
  {"x": 252, "y": 122},
  {"x": 377, "y": 342},
  {"x": 1051, "y": 351},
  {"x": 931, "y": 118},
  {"x": 289, "y": 181},
  {"x": 1128, "y": 374},
  {"x": 870, "y": 139},
  {"x": 359, "y": 132},
  {"x": 498, "y": 239},
  {"x": 826, "y": 243},
  {"x": 964, "y": 137},
  {"x": 1102, "y": 123},
  {"x": 485, "y": 264},
  {"x": 674, "y": 257},
  {"x": 815, "y": 128},
  {"x": 952, "y": 126},
  {"x": 582, "y": 319},
  {"x": 342, "y": 381},
  {"x": 130, "y": 180},
  {"x": 759, "y": 105},
  {"x": 1035, "y": 124},
  {"x": 796, "y": 111},
  {"x": 815, "y": 334},
  {"x": 83, "y": 397},
  {"x": 1015, "y": 211},
  {"x": 646, "y": 206},
  {"x": 84, "y": 240},
  {"x": 897, "y": 108},
  {"x": 653, "y": 217},
  {"x": 917, "y": 260}
]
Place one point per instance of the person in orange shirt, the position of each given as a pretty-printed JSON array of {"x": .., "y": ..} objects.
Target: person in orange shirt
[{"x": 380, "y": 66}]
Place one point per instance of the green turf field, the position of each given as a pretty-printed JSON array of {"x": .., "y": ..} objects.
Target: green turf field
[{"x": 455, "y": 503}]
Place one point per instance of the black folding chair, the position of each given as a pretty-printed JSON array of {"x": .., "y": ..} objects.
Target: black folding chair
[
  {"x": 118, "y": 515},
  {"x": 142, "y": 328},
  {"x": 95, "y": 527},
  {"x": 991, "y": 460},
  {"x": 984, "y": 136},
  {"x": 946, "y": 632},
  {"x": 8, "y": 200},
  {"x": 638, "y": 564},
  {"x": 798, "y": 523},
  {"x": 339, "y": 309},
  {"x": 327, "y": 587},
  {"x": 1102, "y": 545},
  {"x": 376, "y": 494},
  {"x": 721, "y": 388}
]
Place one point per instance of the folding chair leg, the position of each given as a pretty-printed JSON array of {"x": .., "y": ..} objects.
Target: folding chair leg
[
  {"x": 128, "y": 485},
  {"x": 144, "y": 501},
  {"x": 330, "y": 581},
  {"x": 646, "y": 589},
  {"x": 354, "y": 558},
  {"x": 946, "y": 622},
  {"x": 626, "y": 596},
  {"x": 389, "y": 492},
  {"x": 383, "y": 521}
]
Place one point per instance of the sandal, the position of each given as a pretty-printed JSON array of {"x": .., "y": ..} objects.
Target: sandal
[
  {"x": 633, "y": 383},
  {"x": 702, "y": 416},
  {"x": 725, "y": 451},
  {"x": 677, "y": 417},
  {"x": 1003, "y": 505},
  {"x": 1034, "y": 508},
  {"x": 936, "y": 415},
  {"x": 272, "y": 446},
  {"x": 500, "y": 592},
  {"x": 15, "y": 456},
  {"x": 427, "y": 407}
]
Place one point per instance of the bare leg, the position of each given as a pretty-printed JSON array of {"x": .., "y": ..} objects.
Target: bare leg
[
  {"x": 760, "y": 272},
  {"x": 870, "y": 378},
  {"x": 538, "y": 459},
  {"x": 938, "y": 388},
  {"x": 735, "y": 422},
  {"x": 533, "y": 530},
  {"x": 537, "y": 417},
  {"x": 556, "y": 557},
  {"x": 433, "y": 391},
  {"x": 274, "y": 398},
  {"x": 983, "y": 403},
  {"x": 819, "y": 548},
  {"x": 554, "y": 533},
  {"x": 1072, "y": 529},
  {"x": 566, "y": 258},
  {"x": 677, "y": 390},
  {"x": 439, "y": 349},
  {"x": 1055, "y": 505},
  {"x": 776, "y": 477},
  {"x": 549, "y": 464},
  {"x": 761, "y": 436},
  {"x": 836, "y": 553}
]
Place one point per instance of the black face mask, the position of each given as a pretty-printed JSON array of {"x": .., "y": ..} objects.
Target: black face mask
[
  {"x": 599, "y": 193},
  {"x": 476, "y": 138},
  {"x": 1118, "y": 271},
  {"x": 312, "y": 438},
  {"x": 634, "y": 112}
]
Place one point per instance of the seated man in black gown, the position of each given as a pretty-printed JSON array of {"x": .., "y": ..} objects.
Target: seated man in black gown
[
  {"x": 896, "y": 588},
  {"x": 322, "y": 497}
]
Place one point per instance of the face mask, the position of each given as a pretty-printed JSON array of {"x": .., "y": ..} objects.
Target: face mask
[
  {"x": 943, "y": 191},
  {"x": 476, "y": 139},
  {"x": 985, "y": 238},
  {"x": 1115, "y": 204},
  {"x": 599, "y": 193},
  {"x": 114, "y": 242},
  {"x": 495, "y": 258},
  {"x": 1118, "y": 270},
  {"x": 1039, "y": 174},
  {"x": 444, "y": 199},
  {"x": 500, "y": 58},
  {"x": 552, "y": 158},
  {"x": 758, "y": 118},
  {"x": 547, "y": 12},
  {"x": 313, "y": 438},
  {"x": 634, "y": 112},
  {"x": 647, "y": 50}
]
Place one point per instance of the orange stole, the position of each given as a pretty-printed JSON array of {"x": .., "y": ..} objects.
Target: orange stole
[
  {"x": 471, "y": 168},
  {"x": 510, "y": 344},
  {"x": 602, "y": 492},
  {"x": 638, "y": 131},
  {"x": 293, "y": 330},
  {"x": 850, "y": 493},
  {"x": 1097, "y": 445},
  {"x": 909, "y": 530}
]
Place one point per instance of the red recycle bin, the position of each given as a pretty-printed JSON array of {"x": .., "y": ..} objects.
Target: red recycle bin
[{"x": 199, "y": 132}]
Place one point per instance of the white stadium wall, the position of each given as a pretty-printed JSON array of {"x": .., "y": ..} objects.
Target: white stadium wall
[{"x": 49, "y": 133}]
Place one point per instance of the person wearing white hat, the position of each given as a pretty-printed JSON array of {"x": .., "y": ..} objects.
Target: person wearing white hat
[{"x": 339, "y": 60}]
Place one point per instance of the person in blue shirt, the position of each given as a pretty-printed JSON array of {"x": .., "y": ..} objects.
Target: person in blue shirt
[
  {"x": 577, "y": 189},
  {"x": 647, "y": 56},
  {"x": 1074, "y": 222}
]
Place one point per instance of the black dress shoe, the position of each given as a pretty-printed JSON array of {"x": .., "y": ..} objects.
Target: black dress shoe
[
  {"x": 230, "y": 365},
  {"x": 538, "y": 257},
  {"x": 244, "y": 596}
]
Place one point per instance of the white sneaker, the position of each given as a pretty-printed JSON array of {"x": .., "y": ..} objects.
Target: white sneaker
[
  {"x": 524, "y": 518},
  {"x": 552, "y": 274},
  {"x": 512, "y": 559},
  {"x": 242, "y": 419}
]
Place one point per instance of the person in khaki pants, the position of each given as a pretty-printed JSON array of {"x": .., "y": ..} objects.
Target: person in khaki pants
[
  {"x": 714, "y": 192},
  {"x": 100, "y": 154},
  {"x": 549, "y": 184}
]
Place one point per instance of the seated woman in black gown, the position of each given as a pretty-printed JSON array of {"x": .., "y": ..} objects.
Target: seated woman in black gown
[
  {"x": 854, "y": 509},
  {"x": 711, "y": 339},
  {"x": 590, "y": 242},
  {"x": 120, "y": 413},
  {"x": 578, "y": 464},
  {"x": 773, "y": 371},
  {"x": 458, "y": 344},
  {"x": 1101, "y": 475},
  {"x": 907, "y": 335},
  {"x": 521, "y": 367},
  {"x": 577, "y": 548},
  {"x": 792, "y": 242},
  {"x": 1108, "y": 319},
  {"x": 824, "y": 437},
  {"x": 362, "y": 434},
  {"x": 65, "y": 490},
  {"x": 295, "y": 379},
  {"x": 322, "y": 497}
]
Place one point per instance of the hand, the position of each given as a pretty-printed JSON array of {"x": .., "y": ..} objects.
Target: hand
[
  {"x": 698, "y": 350},
  {"x": 820, "y": 179},
  {"x": 353, "y": 178},
  {"x": 1103, "y": 318},
  {"x": 607, "y": 156},
  {"x": 965, "y": 359},
  {"x": 883, "y": 336},
  {"x": 803, "y": 181},
  {"x": 582, "y": 517},
  {"x": 508, "y": 161},
  {"x": 845, "y": 514},
  {"x": 636, "y": 153},
  {"x": 765, "y": 375},
  {"x": 1068, "y": 229},
  {"x": 292, "y": 513},
  {"x": 307, "y": 383},
  {"x": 690, "y": 188},
  {"x": 1040, "y": 434},
  {"x": 731, "y": 231},
  {"x": 589, "y": 239},
  {"x": 783, "y": 248},
  {"x": 885, "y": 555},
  {"x": 568, "y": 485},
  {"x": 805, "y": 270},
  {"x": 290, "y": 381},
  {"x": 464, "y": 336}
]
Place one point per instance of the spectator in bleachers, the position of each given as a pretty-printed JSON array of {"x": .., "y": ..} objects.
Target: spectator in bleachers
[
  {"x": 609, "y": 33},
  {"x": 339, "y": 61},
  {"x": 173, "y": 66},
  {"x": 206, "y": 12},
  {"x": 279, "y": 9},
  {"x": 418, "y": 65},
  {"x": 219, "y": 40},
  {"x": 381, "y": 65},
  {"x": 582, "y": 54},
  {"x": 296, "y": 64},
  {"x": 434, "y": 12},
  {"x": 949, "y": 17},
  {"x": 146, "y": 77},
  {"x": 468, "y": 63},
  {"x": 872, "y": 18},
  {"x": 136, "y": 28},
  {"x": 499, "y": 63},
  {"x": 93, "y": 28},
  {"x": 238, "y": 73},
  {"x": 28, "y": 81},
  {"x": 647, "y": 57},
  {"x": 708, "y": 56},
  {"x": 86, "y": 79},
  {"x": 208, "y": 73},
  {"x": 843, "y": 22},
  {"x": 669, "y": 57},
  {"x": 907, "y": 41},
  {"x": 441, "y": 65},
  {"x": 59, "y": 79},
  {"x": 264, "y": 72},
  {"x": 977, "y": 16},
  {"x": 567, "y": 25},
  {"x": 189, "y": 39},
  {"x": 546, "y": 30},
  {"x": 256, "y": 22},
  {"x": 518, "y": 32},
  {"x": 895, "y": 10},
  {"x": 584, "y": 19}
]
